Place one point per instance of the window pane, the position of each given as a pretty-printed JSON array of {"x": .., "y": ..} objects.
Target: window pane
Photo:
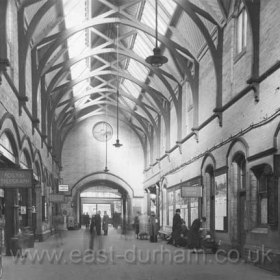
[
  {"x": 263, "y": 209},
  {"x": 239, "y": 33},
  {"x": 244, "y": 37}
]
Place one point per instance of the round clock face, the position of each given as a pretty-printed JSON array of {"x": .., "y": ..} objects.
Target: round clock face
[{"x": 102, "y": 129}]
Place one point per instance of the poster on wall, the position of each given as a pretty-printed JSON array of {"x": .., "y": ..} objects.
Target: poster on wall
[{"x": 220, "y": 202}]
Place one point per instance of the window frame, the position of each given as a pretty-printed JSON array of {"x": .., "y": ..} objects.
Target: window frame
[{"x": 241, "y": 34}]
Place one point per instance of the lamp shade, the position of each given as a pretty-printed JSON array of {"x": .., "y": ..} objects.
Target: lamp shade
[{"x": 157, "y": 59}]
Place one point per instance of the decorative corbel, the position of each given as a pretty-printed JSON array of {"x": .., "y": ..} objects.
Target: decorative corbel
[
  {"x": 168, "y": 155},
  {"x": 195, "y": 131},
  {"x": 179, "y": 145},
  {"x": 254, "y": 83},
  {"x": 158, "y": 162},
  {"x": 35, "y": 123},
  {"x": 43, "y": 139},
  {"x": 219, "y": 113},
  {"x": 22, "y": 99},
  {"x": 4, "y": 63}
]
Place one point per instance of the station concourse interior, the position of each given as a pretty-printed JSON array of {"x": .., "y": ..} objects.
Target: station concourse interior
[{"x": 140, "y": 108}]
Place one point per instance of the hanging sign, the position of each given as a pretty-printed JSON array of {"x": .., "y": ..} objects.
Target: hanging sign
[
  {"x": 63, "y": 188},
  {"x": 13, "y": 178},
  {"x": 22, "y": 210},
  {"x": 192, "y": 191}
]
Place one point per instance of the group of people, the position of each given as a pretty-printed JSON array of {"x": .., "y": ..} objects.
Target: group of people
[
  {"x": 152, "y": 229},
  {"x": 182, "y": 236},
  {"x": 96, "y": 225}
]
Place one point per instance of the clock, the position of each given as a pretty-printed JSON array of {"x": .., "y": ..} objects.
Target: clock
[{"x": 100, "y": 130}]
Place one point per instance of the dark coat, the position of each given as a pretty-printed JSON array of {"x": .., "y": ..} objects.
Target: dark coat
[
  {"x": 98, "y": 224},
  {"x": 177, "y": 222},
  {"x": 105, "y": 222},
  {"x": 194, "y": 234}
]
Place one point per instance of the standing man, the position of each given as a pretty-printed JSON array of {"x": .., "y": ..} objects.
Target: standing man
[
  {"x": 98, "y": 223},
  {"x": 105, "y": 223},
  {"x": 92, "y": 229},
  {"x": 153, "y": 227},
  {"x": 176, "y": 227},
  {"x": 137, "y": 224}
]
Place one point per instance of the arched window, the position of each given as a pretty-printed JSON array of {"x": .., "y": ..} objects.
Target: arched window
[
  {"x": 6, "y": 147},
  {"x": 266, "y": 195},
  {"x": 10, "y": 21},
  {"x": 241, "y": 29}
]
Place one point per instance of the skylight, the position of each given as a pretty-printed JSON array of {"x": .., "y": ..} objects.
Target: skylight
[{"x": 74, "y": 15}]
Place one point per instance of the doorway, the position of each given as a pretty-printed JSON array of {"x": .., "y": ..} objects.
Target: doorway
[{"x": 239, "y": 179}]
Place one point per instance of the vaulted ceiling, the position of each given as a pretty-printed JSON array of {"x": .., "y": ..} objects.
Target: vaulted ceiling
[{"x": 87, "y": 53}]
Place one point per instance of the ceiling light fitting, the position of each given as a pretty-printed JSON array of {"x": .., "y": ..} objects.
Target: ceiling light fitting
[
  {"x": 157, "y": 59},
  {"x": 117, "y": 144}
]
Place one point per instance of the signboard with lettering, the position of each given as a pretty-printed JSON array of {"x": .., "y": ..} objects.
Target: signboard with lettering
[
  {"x": 56, "y": 197},
  {"x": 14, "y": 178},
  {"x": 63, "y": 188},
  {"x": 191, "y": 191}
]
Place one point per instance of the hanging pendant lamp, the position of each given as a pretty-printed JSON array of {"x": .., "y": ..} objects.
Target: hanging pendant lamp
[
  {"x": 156, "y": 60},
  {"x": 117, "y": 144},
  {"x": 106, "y": 140},
  {"x": 106, "y": 168}
]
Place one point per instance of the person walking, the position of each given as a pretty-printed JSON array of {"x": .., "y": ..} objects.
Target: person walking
[
  {"x": 92, "y": 230},
  {"x": 153, "y": 227},
  {"x": 87, "y": 220},
  {"x": 98, "y": 223},
  {"x": 137, "y": 224},
  {"x": 176, "y": 227},
  {"x": 105, "y": 223}
]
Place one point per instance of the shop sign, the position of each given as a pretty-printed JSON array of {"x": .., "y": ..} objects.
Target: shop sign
[
  {"x": 13, "y": 178},
  {"x": 191, "y": 191},
  {"x": 63, "y": 188},
  {"x": 56, "y": 197},
  {"x": 22, "y": 210}
]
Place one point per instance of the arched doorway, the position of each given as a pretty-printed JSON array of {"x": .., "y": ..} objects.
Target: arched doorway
[
  {"x": 239, "y": 186},
  {"x": 209, "y": 186},
  {"x": 103, "y": 183}
]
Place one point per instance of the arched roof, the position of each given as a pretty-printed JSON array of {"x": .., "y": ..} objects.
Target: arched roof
[{"x": 90, "y": 54}]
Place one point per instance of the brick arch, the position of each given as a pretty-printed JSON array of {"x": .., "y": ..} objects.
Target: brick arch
[
  {"x": 276, "y": 137},
  {"x": 37, "y": 163},
  {"x": 101, "y": 176},
  {"x": 208, "y": 160},
  {"x": 238, "y": 145},
  {"x": 26, "y": 146},
  {"x": 8, "y": 125}
]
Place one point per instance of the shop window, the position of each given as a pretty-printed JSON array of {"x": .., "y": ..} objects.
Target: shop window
[
  {"x": 262, "y": 197},
  {"x": 170, "y": 201},
  {"x": 10, "y": 45},
  {"x": 221, "y": 202},
  {"x": 267, "y": 196},
  {"x": 241, "y": 29},
  {"x": 194, "y": 208},
  {"x": 44, "y": 208}
]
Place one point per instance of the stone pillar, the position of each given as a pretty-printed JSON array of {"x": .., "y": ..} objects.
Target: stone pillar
[
  {"x": 29, "y": 207},
  {"x": 124, "y": 222},
  {"x": 38, "y": 230},
  {"x": 11, "y": 217}
]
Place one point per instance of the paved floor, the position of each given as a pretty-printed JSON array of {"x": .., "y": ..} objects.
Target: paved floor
[{"x": 122, "y": 257}]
